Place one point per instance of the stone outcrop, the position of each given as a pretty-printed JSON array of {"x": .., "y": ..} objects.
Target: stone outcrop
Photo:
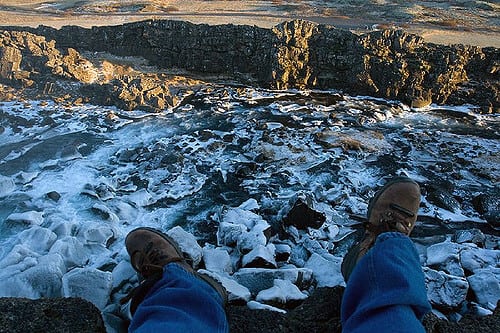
[
  {"x": 50, "y": 315},
  {"x": 318, "y": 313},
  {"x": 296, "y": 54}
]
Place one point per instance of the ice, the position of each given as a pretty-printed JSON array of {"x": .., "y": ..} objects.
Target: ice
[
  {"x": 282, "y": 292},
  {"x": 254, "y": 305},
  {"x": 486, "y": 286},
  {"x": 71, "y": 250},
  {"x": 445, "y": 290},
  {"x": 224, "y": 173},
  {"x": 26, "y": 218},
  {"x": 88, "y": 283},
  {"x": 241, "y": 216},
  {"x": 248, "y": 241},
  {"x": 187, "y": 244},
  {"x": 326, "y": 272},
  {"x": 445, "y": 256},
  {"x": 229, "y": 233},
  {"x": 237, "y": 294},
  {"x": 260, "y": 256},
  {"x": 38, "y": 239},
  {"x": 474, "y": 259},
  {"x": 7, "y": 186},
  {"x": 257, "y": 279},
  {"x": 217, "y": 259}
]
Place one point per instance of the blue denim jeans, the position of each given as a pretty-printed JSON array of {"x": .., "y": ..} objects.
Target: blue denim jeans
[
  {"x": 180, "y": 302},
  {"x": 386, "y": 290}
]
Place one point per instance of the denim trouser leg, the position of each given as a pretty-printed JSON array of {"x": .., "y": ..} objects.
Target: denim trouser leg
[
  {"x": 180, "y": 302},
  {"x": 386, "y": 290}
]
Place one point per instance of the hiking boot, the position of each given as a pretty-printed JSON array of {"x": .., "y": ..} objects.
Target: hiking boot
[
  {"x": 150, "y": 250},
  {"x": 393, "y": 209}
]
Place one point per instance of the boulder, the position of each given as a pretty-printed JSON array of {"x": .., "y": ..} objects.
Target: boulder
[
  {"x": 7, "y": 186},
  {"x": 187, "y": 244},
  {"x": 236, "y": 293},
  {"x": 88, "y": 283},
  {"x": 26, "y": 218},
  {"x": 261, "y": 257},
  {"x": 445, "y": 256},
  {"x": 282, "y": 294},
  {"x": 474, "y": 259},
  {"x": 326, "y": 272},
  {"x": 444, "y": 290},
  {"x": 257, "y": 279},
  {"x": 486, "y": 287},
  {"x": 303, "y": 214},
  {"x": 217, "y": 259}
]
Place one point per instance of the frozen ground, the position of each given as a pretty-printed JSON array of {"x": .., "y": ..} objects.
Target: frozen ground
[{"x": 76, "y": 179}]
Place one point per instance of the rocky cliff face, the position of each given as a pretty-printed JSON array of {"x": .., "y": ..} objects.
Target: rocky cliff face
[{"x": 297, "y": 54}]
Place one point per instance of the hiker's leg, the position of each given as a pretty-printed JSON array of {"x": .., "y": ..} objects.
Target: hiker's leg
[
  {"x": 386, "y": 290},
  {"x": 180, "y": 302}
]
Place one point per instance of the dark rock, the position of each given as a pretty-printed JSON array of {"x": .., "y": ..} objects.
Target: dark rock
[
  {"x": 53, "y": 195},
  {"x": 488, "y": 204},
  {"x": 49, "y": 315},
  {"x": 475, "y": 236},
  {"x": 303, "y": 215},
  {"x": 442, "y": 198},
  {"x": 297, "y": 54}
]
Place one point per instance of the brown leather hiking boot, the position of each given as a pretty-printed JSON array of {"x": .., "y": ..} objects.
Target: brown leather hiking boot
[
  {"x": 150, "y": 250},
  {"x": 393, "y": 208}
]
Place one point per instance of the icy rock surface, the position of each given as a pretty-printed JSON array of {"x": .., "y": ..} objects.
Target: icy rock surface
[
  {"x": 232, "y": 171},
  {"x": 486, "y": 286},
  {"x": 445, "y": 290},
  {"x": 282, "y": 292},
  {"x": 90, "y": 284}
]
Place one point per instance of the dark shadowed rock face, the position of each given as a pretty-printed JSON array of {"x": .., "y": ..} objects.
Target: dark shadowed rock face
[
  {"x": 49, "y": 315},
  {"x": 296, "y": 54},
  {"x": 319, "y": 313}
]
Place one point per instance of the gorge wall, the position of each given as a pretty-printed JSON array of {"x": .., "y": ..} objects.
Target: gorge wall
[{"x": 296, "y": 54}]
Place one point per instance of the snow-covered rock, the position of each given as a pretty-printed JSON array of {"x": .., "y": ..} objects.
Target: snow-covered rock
[
  {"x": 475, "y": 236},
  {"x": 250, "y": 204},
  {"x": 188, "y": 244},
  {"x": 241, "y": 216},
  {"x": 254, "y": 305},
  {"x": 17, "y": 254},
  {"x": 257, "y": 279},
  {"x": 445, "y": 290},
  {"x": 229, "y": 233},
  {"x": 258, "y": 235},
  {"x": 260, "y": 256},
  {"x": 71, "y": 250},
  {"x": 33, "y": 277},
  {"x": 38, "y": 239},
  {"x": 486, "y": 286},
  {"x": 283, "y": 292},
  {"x": 26, "y": 218},
  {"x": 217, "y": 259},
  {"x": 88, "y": 283},
  {"x": 283, "y": 252},
  {"x": 299, "y": 256},
  {"x": 45, "y": 277},
  {"x": 122, "y": 273},
  {"x": 236, "y": 293},
  {"x": 326, "y": 272},
  {"x": 7, "y": 186},
  {"x": 473, "y": 259},
  {"x": 445, "y": 256},
  {"x": 98, "y": 234}
]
